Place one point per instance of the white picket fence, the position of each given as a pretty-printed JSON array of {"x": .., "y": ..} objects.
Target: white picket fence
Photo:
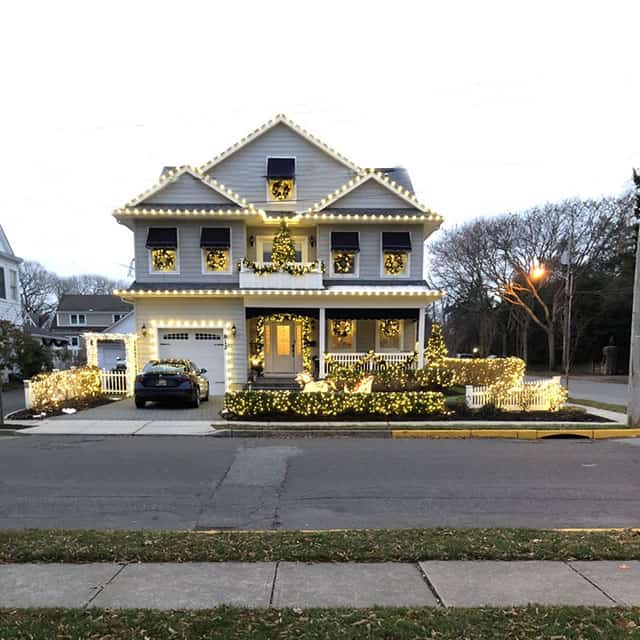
[
  {"x": 353, "y": 358},
  {"x": 534, "y": 395},
  {"x": 114, "y": 383}
]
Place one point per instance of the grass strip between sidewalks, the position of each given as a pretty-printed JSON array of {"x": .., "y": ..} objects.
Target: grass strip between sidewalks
[
  {"x": 606, "y": 406},
  {"x": 229, "y": 623},
  {"x": 366, "y": 545}
]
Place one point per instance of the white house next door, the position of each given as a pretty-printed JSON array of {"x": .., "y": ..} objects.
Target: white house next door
[{"x": 283, "y": 348}]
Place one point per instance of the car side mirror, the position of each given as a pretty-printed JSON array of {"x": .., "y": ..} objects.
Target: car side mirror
[{"x": 203, "y": 371}]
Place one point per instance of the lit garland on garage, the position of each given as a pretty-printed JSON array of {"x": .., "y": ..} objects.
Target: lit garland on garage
[{"x": 257, "y": 358}]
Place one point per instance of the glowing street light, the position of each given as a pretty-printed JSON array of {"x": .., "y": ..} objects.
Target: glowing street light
[{"x": 537, "y": 271}]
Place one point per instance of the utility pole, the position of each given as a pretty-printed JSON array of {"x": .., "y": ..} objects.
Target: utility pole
[{"x": 633, "y": 409}]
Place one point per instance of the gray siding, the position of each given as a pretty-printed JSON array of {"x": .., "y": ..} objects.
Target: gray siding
[
  {"x": 271, "y": 230},
  {"x": 94, "y": 319},
  {"x": 187, "y": 190},
  {"x": 371, "y": 194},
  {"x": 370, "y": 258},
  {"x": 189, "y": 251},
  {"x": 317, "y": 173}
]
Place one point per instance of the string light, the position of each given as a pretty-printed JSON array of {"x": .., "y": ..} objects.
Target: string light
[{"x": 50, "y": 391}]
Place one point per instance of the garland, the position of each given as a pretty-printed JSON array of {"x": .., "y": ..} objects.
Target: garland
[
  {"x": 390, "y": 328},
  {"x": 395, "y": 262},
  {"x": 292, "y": 268},
  {"x": 217, "y": 259},
  {"x": 343, "y": 261},
  {"x": 257, "y": 358},
  {"x": 163, "y": 259},
  {"x": 341, "y": 328}
]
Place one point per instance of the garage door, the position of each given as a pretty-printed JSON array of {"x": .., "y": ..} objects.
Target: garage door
[
  {"x": 111, "y": 354},
  {"x": 203, "y": 347}
]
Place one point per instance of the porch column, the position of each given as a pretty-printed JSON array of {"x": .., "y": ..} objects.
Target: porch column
[
  {"x": 322, "y": 334},
  {"x": 420, "y": 341}
]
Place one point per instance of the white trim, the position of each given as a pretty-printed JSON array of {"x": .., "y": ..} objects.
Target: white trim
[
  {"x": 148, "y": 250},
  {"x": 389, "y": 349},
  {"x": 337, "y": 291},
  {"x": 77, "y": 314},
  {"x": 229, "y": 271},
  {"x": 268, "y": 200},
  {"x": 274, "y": 122},
  {"x": 389, "y": 276}
]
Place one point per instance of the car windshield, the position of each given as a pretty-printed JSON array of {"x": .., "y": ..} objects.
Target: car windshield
[{"x": 165, "y": 367}]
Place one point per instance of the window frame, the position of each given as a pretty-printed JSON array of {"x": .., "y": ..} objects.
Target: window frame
[
  {"x": 294, "y": 197},
  {"x": 77, "y": 316},
  {"x": 77, "y": 339},
  {"x": 150, "y": 249},
  {"x": 331, "y": 337},
  {"x": 407, "y": 274},
  {"x": 203, "y": 262},
  {"x": 14, "y": 287}
]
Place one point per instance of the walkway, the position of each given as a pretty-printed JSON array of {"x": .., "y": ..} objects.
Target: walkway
[{"x": 202, "y": 585}]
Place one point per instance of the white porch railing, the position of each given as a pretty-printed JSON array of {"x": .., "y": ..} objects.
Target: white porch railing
[
  {"x": 249, "y": 279},
  {"x": 536, "y": 395},
  {"x": 114, "y": 382},
  {"x": 353, "y": 358}
]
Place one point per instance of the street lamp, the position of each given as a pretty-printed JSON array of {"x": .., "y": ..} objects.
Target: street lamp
[{"x": 537, "y": 271}]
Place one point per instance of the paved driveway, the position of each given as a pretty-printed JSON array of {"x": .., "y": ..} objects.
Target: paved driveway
[
  {"x": 126, "y": 410},
  {"x": 13, "y": 400}
]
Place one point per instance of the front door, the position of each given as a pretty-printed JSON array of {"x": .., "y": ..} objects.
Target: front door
[{"x": 283, "y": 347}]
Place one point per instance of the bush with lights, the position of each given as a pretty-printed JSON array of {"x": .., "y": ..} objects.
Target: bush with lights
[
  {"x": 50, "y": 391},
  {"x": 283, "y": 404},
  {"x": 436, "y": 373}
]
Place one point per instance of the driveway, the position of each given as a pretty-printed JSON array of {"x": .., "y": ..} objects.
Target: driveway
[
  {"x": 126, "y": 410},
  {"x": 13, "y": 400}
]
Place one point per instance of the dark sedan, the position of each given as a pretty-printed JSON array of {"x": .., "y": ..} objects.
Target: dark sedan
[{"x": 171, "y": 380}]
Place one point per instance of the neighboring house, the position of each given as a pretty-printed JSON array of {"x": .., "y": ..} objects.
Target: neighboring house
[
  {"x": 10, "y": 302},
  {"x": 78, "y": 314},
  {"x": 112, "y": 352},
  {"x": 205, "y": 287}
]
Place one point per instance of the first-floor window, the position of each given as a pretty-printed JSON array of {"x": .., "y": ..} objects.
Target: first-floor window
[
  {"x": 390, "y": 335},
  {"x": 342, "y": 335},
  {"x": 75, "y": 341},
  {"x": 396, "y": 263},
  {"x": 13, "y": 284}
]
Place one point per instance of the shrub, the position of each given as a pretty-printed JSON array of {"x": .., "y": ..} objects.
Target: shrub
[
  {"x": 277, "y": 404},
  {"x": 487, "y": 371},
  {"x": 50, "y": 391}
]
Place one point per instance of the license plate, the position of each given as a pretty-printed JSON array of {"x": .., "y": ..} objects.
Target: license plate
[{"x": 162, "y": 382}]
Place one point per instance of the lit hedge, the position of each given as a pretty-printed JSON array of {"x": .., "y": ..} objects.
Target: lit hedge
[
  {"x": 294, "y": 404},
  {"x": 486, "y": 371},
  {"x": 50, "y": 391}
]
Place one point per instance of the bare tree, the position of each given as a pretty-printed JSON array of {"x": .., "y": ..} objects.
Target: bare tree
[{"x": 38, "y": 291}]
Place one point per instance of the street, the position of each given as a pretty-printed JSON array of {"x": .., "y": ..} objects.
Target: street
[
  {"x": 612, "y": 392},
  {"x": 12, "y": 400},
  {"x": 186, "y": 483}
]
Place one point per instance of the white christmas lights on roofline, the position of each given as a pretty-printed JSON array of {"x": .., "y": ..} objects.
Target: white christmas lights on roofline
[
  {"x": 202, "y": 293},
  {"x": 279, "y": 118}
]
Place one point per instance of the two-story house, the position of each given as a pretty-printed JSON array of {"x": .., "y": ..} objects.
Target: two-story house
[
  {"x": 206, "y": 287},
  {"x": 10, "y": 302},
  {"x": 78, "y": 314}
]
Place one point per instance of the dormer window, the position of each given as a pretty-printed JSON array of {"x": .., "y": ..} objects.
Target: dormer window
[
  {"x": 281, "y": 179},
  {"x": 162, "y": 243},
  {"x": 215, "y": 243},
  {"x": 396, "y": 249}
]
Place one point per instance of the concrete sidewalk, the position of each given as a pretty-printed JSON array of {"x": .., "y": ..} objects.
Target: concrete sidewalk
[{"x": 201, "y": 585}]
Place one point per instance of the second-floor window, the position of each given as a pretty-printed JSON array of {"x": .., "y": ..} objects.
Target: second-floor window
[
  {"x": 345, "y": 247},
  {"x": 78, "y": 318},
  {"x": 75, "y": 341},
  {"x": 281, "y": 179},
  {"x": 396, "y": 252},
  {"x": 13, "y": 284},
  {"x": 162, "y": 243},
  {"x": 215, "y": 243}
]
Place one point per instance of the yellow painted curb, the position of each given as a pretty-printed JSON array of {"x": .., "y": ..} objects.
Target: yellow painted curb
[
  {"x": 616, "y": 433},
  {"x": 545, "y": 433},
  {"x": 495, "y": 433},
  {"x": 527, "y": 434},
  {"x": 431, "y": 433}
]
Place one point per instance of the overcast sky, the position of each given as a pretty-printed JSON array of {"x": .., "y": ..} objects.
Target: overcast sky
[{"x": 492, "y": 106}]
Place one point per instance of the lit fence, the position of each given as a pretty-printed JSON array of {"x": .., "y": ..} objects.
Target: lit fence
[
  {"x": 371, "y": 364},
  {"x": 538, "y": 395}
]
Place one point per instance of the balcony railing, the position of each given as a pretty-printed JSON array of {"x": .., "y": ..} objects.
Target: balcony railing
[
  {"x": 260, "y": 275},
  {"x": 351, "y": 359}
]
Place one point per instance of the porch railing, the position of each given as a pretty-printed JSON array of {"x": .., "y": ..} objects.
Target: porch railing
[
  {"x": 354, "y": 358},
  {"x": 537, "y": 395}
]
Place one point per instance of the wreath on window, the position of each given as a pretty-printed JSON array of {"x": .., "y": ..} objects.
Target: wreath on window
[
  {"x": 341, "y": 328},
  {"x": 343, "y": 262},
  {"x": 216, "y": 260},
  {"x": 395, "y": 262},
  {"x": 390, "y": 328},
  {"x": 164, "y": 259}
]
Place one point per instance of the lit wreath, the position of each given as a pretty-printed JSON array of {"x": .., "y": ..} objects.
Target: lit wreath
[
  {"x": 390, "y": 328},
  {"x": 217, "y": 260},
  {"x": 341, "y": 328},
  {"x": 343, "y": 262},
  {"x": 395, "y": 262}
]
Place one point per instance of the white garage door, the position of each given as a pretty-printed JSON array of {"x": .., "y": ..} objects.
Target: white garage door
[
  {"x": 111, "y": 354},
  {"x": 203, "y": 347}
]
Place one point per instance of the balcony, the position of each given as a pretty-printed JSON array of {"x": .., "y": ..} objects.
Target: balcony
[{"x": 295, "y": 275}]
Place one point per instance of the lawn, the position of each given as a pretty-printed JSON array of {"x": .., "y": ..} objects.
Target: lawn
[
  {"x": 607, "y": 406},
  {"x": 357, "y": 545},
  {"x": 230, "y": 623}
]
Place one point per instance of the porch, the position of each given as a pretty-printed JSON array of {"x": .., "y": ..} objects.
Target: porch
[{"x": 284, "y": 342}]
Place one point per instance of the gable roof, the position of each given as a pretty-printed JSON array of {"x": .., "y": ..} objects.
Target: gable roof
[
  {"x": 5, "y": 247},
  {"x": 172, "y": 175},
  {"x": 77, "y": 302},
  {"x": 362, "y": 178},
  {"x": 280, "y": 119}
]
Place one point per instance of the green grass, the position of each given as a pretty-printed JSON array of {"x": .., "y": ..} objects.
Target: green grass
[
  {"x": 607, "y": 406},
  {"x": 368, "y": 545},
  {"x": 229, "y": 623}
]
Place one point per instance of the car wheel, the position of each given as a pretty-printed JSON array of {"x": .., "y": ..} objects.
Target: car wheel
[
  {"x": 205, "y": 397},
  {"x": 140, "y": 403},
  {"x": 195, "y": 403}
]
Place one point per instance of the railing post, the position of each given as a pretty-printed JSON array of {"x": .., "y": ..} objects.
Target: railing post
[{"x": 322, "y": 336}]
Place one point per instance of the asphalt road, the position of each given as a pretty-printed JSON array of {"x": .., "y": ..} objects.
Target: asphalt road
[
  {"x": 12, "y": 400},
  {"x": 612, "y": 392},
  {"x": 186, "y": 483}
]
